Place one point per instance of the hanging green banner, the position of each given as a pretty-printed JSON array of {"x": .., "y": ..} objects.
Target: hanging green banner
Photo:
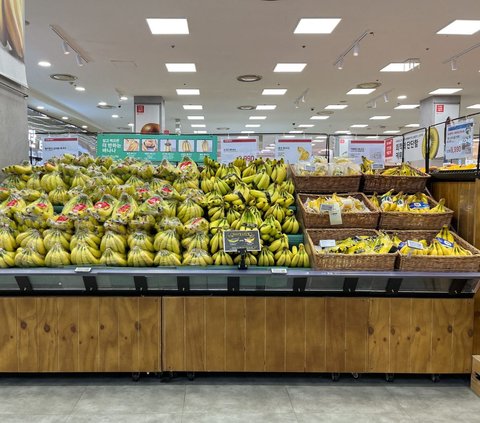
[{"x": 157, "y": 147}]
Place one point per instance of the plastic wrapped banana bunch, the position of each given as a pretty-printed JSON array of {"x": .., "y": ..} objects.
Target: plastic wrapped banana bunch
[
  {"x": 415, "y": 203},
  {"x": 346, "y": 204},
  {"x": 167, "y": 258},
  {"x": 381, "y": 244},
  {"x": 197, "y": 257}
]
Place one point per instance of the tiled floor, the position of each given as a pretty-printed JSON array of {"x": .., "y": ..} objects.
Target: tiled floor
[{"x": 213, "y": 398}]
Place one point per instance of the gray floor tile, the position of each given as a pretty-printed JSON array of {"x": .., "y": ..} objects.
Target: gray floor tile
[
  {"x": 127, "y": 418},
  {"x": 239, "y": 398},
  {"x": 349, "y": 418},
  {"x": 137, "y": 399},
  {"x": 32, "y": 418},
  {"x": 343, "y": 399},
  {"x": 41, "y": 400},
  {"x": 239, "y": 417}
]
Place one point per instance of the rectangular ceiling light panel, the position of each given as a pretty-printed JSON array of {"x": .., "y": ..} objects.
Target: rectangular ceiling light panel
[
  {"x": 461, "y": 27},
  {"x": 192, "y": 107},
  {"x": 361, "y": 91},
  {"x": 445, "y": 91},
  {"x": 407, "y": 106},
  {"x": 274, "y": 91},
  {"x": 188, "y": 91},
  {"x": 266, "y": 107},
  {"x": 181, "y": 67},
  {"x": 400, "y": 67},
  {"x": 316, "y": 25},
  {"x": 380, "y": 117},
  {"x": 173, "y": 26},
  {"x": 290, "y": 67},
  {"x": 336, "y": 107}
]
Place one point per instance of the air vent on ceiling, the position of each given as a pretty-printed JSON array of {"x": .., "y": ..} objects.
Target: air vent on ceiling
[
  {"x": 249, "y": 78},
  {"x": 63, "y": 77},
  {"x": 246, "y": 107},
  {"x": 106, "y": 106},
  {"x": 369, "y": 85}
]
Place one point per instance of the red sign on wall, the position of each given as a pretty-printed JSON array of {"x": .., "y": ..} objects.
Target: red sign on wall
[
  {"x": 140, "y": 108},
  {"x": 388, "y": 148},
  {"x": 440, "y": 108}
]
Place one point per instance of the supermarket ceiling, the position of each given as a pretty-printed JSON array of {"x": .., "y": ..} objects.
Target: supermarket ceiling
[{"x": 228, "y": 38}]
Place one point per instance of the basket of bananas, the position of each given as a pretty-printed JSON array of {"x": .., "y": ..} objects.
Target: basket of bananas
[
  {"x": 351, "y": 249},
  {"x": 411, "y": 211},
  {"x": 356, "y": 210},
  {"x": 319, "y": 177},
  {"x": 403, "y": 178},
  {"x": 442, "y": 251}
]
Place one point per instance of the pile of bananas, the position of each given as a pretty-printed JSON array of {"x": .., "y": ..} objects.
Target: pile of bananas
[
  {"x": 402, "y": 170},
  {"x": 442, "y": 245},
  {"x": 414, "y": 203},
  {"x": 134, "y": 213},
  {"x": 341, "y": 166},
  {"x": 347, "y": 204},
  {"x": 375, "y": 244}
]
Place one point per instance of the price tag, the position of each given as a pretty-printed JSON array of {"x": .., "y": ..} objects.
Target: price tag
[
  {"x": 326, "y": 208},
  {"x": 279, "y": 270},
  {"x": 310, "y": 168},
  {"x": 335, "y": 216},
  {"x": 83, "y": 269},
  {"x": 327, "y": 243},
  {"x": 378, "y": 166},
  {"x": 415, "y": 245},
  {"x": 470, "y": 162}
]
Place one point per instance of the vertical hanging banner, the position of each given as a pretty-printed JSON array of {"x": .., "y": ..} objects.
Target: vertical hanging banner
[
  {"x": 293, "y": 150},
  {"x": 437, "y": 135},
  {"x": 231, "y": 148},
  {"x": 413, "y": 146},
  {"x": 371, "y": 149},
  {"x": 459, "y": 140},
  {"x": 60, "y": 145}
]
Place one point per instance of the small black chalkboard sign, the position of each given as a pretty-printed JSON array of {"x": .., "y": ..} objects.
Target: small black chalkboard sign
[{"x": 235, "y": 241}]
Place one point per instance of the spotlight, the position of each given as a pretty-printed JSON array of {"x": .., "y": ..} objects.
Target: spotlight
[
  {"x": 66, "y": 48},
  {"x": 385, "y": 97},
  {"x": 453, "y": 64},
  {"x": 340, "y": 64},
  {"x": 79, "y": 60},
  {"x": 356, "y": 49}
]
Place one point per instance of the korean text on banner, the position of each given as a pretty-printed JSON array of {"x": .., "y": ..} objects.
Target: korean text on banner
[
  {"x": 293, "y": 150},
  {"x": 371, "y": 149},
  {"x": 459, "y": 140},
  {"x": 58, "y": 146},
  {"x": 230, "y": 149},
  {"x": 413, "y": 146}
]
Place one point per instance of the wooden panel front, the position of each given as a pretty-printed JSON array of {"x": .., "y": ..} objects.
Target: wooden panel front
[
  {"x": 55, "y": 334},
  {"x": 262, "y": 334}
]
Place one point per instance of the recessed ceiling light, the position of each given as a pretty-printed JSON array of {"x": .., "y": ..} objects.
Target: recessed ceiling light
[
  {"x": 380, "y": 117},
  {"x": 342, "y": 132},
  {"x": 66, "y": 77},
  {"x": 44, "y": 64},
  {"x": 391, "y": 132},
  {"x": 266, "y": 107},
  {"x": 84, "y": 126},
  {"x": 247, "y": 132},
  {"x": 181, "y": 67},
  {"x": 412, "y": 125},
  {"x": 246, "y": 107},
  {"x": 196, "y": 117},
  {"x": 123, "y": 98},
  {"x": 473, "y": 106},
  {"x": 289, "y": 136},
  {"x": 336, "y": 107},
  {"x": 257, "y": 117},
  {"x": 305, "y": 126},
  {"x": 252, "y": 126},
  {"x": 361, "y": 91},
  {"x": 168, "y": 26},
  {"x": 64, "y": 117},
  {"x": 402, "y": 97},
  {"x": 461, "y": 27},
  {"x": 358, "y": 125},
  {"x": 407, "y": 106},
  {"x": 131, "y": 125},
  {"x": 274, "y": 91},
  {"x": 192, "y": 107},
  {"x": 243, "y": 137},
  {"x": 369, "y": 84},
  {"x": 400, "y": 66},
  {"x": 199, "y": 132},
  {"x": 198, "y": 125},
  {"x": 78, "y": 88},
  {"x": 188, "y": 91},
  {"x": 316, "y": 25},
  {"x": 372, "y": 137},
  {"x": 115, "y": 116},
  {"x": 319, "y": 117},
  {"x": 445, "y": 91},
  {"x": 249, "y": 78},
  {"x": 290, "y": 67},
  {"x": 102, "y": 103},
  {"x": 295, "y": 132},
  {"x": 40, "y": 107}
]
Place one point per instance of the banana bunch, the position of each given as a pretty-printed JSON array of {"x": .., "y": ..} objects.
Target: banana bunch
[
  {"x": 55, "y": 236},
  {"x": 266, "y": 258},
  {"x": 7, "y": 239},
  {"x": 111, "y": 257},
  {"x": 279, "y": 244},
  {"x": 250, "y": 259},
  {"x": 84, "y": 254},
  {"x": 216, "y": 242},
  {"x": 402, "y": 170},
  {"x": 283, "y": 257},
  {"x": 28, "y": 257},
  {"x": 18, "y": 169},
  {"x": 300, "y": 257},
  {"x": 440, "y": 207},
  {"x": 366, "y": 166},
  {"x": 29, "y": 195},
  {"x": 32, "y": 238},
  {"x": 7, "y": 258},
  {"x": 142, "y": 240},
  {"x": 197, "y": 224},
  {"x": 57, "y": 256},
  {"x": 58, "y": 196},
  {"x": 381, "y": 244},
  {"x": 270, "y": 229},
  {"x": 291, "y": 225},
  {"x": 232, "y": 215},
  {"x": 79, "y": 180},
  {"x": 77, "y": 206},
  {"x": 250, "y": 219},
  {"x": 221, "y": 258},
  {"x": 198, "y": 240},
  {"x": 347, "y": 204},
  {"x": 140, "y": 258},
  {"x": 220, "y": 186},
  {"x": 166, "y": 223},
  {"x": 206, "y": 184},
  {"x": 125, "y": 208},
  {"x": 167, "y": 240},
  {"x": 188, "y": 210},
  {"x": 261, "y": 180},
  {"x": 41, "y": 208},
  {"x": 34, "y": 182},
  {"x": 115, "y": 241},
  {"x": 279, "y": 172},
  {"x": 51, "y": 181},
  {"x": 220, "y": 224},
  {"x": 13, "y": 204},
  {"x": 167, "y": 258},
  {"x": 102, "y": 210},
  {"x": 278, "y": 212},
  {"x": 197, "y": 257}
]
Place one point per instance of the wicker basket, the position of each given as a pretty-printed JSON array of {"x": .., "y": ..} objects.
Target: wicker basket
[
  {"x": 415, "y": 221},
  {"x": 345, "y": 261},
  {"x": 437, "y": 263},
  {"x": 367, "y": 220},
  {"x": 325, "y": 184},
  {"x": 384, "y": 183}
]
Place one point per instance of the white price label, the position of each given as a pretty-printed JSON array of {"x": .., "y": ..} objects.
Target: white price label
[
  {"x": 327, "y": 243},
  {"x": 415, "y": 245},
  {"x": 83, "y": 269},
  {"x": 378, "y": 166},
  {"x": 310, "y": 168},
  {"x": 279, "y": 270},
  {"x": 335, "y": 216},
  {"x": 326, "y": 208}
]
